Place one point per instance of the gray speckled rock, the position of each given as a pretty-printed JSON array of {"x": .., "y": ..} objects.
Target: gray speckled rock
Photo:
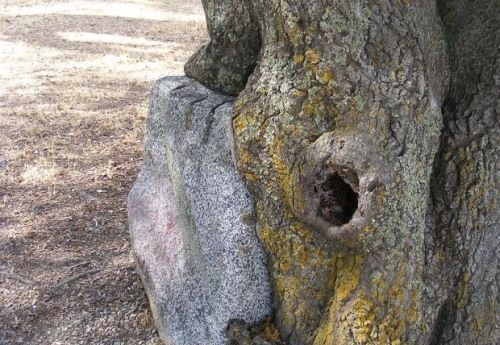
[{"x": 192, "y": 220}]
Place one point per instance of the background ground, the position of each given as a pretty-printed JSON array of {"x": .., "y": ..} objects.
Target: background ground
[{"x": 74, "y": 82}]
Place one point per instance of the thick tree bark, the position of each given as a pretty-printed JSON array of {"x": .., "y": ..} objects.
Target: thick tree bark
[
  {"x": 228, "y": 59},
  {"x": 377, "y": 210},
  {"x": 463, "y": 238}
]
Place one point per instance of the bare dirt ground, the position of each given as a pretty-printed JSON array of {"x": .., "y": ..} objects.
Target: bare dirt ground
[{"x": 74, "y": 82}]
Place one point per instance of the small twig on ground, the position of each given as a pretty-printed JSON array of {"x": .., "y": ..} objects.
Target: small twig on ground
[
  {"x": 19, "y": 278},
  {"x": 73, "y": 278},
  {"x": 84, "y": 263}
]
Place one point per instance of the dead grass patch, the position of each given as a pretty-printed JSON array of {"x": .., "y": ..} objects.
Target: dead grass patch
[{"x": 74, "y": 84}]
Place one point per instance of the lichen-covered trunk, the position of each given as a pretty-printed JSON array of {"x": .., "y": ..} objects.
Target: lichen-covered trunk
[
  {"x": 336, "y": 134},
  {"x": 377, "y": 211}
]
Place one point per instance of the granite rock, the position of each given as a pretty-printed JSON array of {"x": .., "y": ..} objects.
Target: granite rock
[{"x": 192, "y": 220}]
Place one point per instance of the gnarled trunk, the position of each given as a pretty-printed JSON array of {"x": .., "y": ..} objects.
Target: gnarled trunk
[{"x": 377, "y": 209}]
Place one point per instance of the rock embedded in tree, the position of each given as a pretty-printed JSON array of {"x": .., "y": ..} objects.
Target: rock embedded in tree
[{"x": 192, "y": 220}]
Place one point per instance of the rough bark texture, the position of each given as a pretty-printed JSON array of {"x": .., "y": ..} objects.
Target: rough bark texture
[
  {"x": 228, "y": 59},
  {"x": 463, "y": 239},
  {"x": 379, "y": 212}
]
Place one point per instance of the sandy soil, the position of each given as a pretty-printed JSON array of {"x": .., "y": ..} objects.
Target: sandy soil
[{"x": 74, "y": 82}]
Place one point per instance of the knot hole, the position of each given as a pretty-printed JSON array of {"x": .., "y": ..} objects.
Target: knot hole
[{"x": 337, "y": 190}]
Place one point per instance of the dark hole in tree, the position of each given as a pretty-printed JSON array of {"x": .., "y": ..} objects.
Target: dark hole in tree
[{"x": 338, "y": 201}]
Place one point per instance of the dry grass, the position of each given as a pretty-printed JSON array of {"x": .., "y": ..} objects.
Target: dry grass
[{"x": 74, "y": 81}]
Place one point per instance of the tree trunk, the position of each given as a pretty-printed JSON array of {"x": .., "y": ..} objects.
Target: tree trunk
[
  {"x": 377, "y": 209},
  {"x": 462, "y": 240},
  {"x": 228, "y": 59}
]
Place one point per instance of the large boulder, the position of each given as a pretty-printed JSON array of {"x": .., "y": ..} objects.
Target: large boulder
[{"x": 192, "y": 221}]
